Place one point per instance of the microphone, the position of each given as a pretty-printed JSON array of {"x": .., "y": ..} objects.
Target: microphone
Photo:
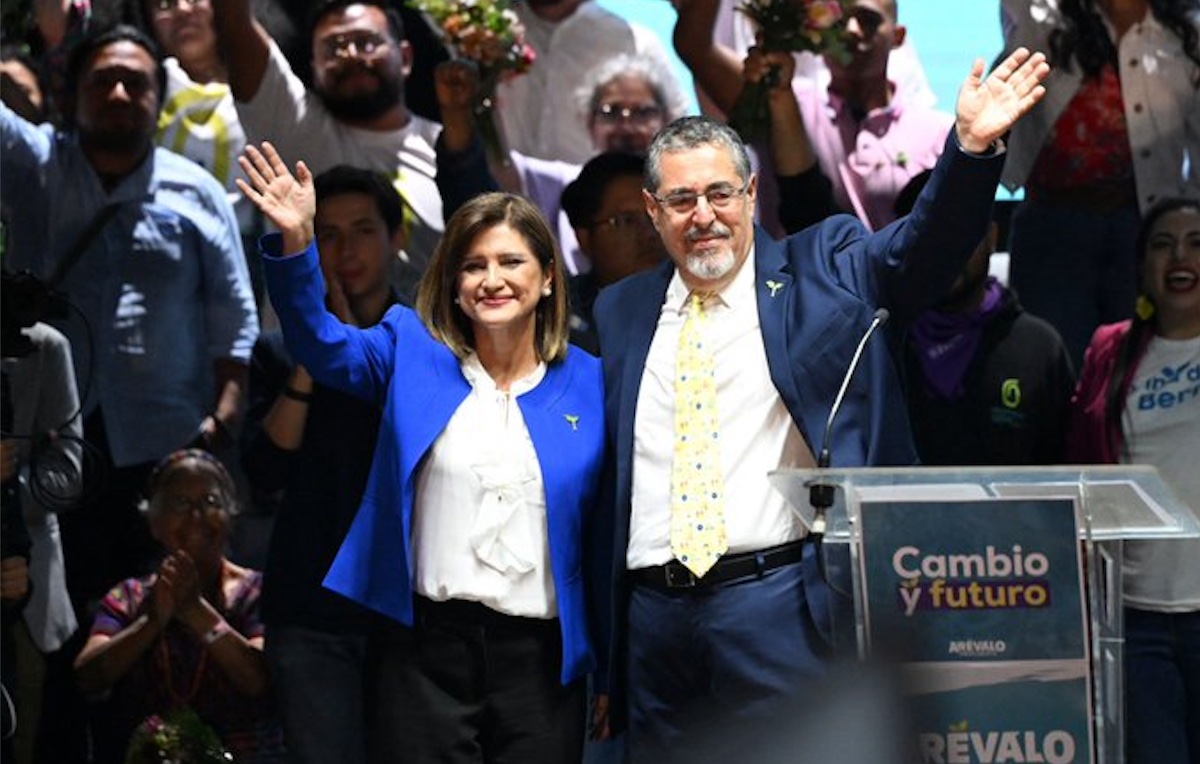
[{"x": 820, "y": 495}]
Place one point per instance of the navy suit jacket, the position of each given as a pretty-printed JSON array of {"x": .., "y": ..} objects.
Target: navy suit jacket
[
  {"x": 817, "y": 292},
  {"x": 419, "y": 384}
]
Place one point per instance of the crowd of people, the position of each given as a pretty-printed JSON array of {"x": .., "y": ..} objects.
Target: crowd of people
[{"x": 510, "y": 415}]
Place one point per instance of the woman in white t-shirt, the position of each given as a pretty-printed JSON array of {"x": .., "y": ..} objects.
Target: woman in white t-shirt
[
  {"x": 1138, "y": 402},
  {"x": 198, "y": 118}
]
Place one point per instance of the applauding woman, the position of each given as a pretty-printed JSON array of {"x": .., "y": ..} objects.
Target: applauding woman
[
  {"x": 189, "y": 635},
  {"x": 470, "y": 534}
]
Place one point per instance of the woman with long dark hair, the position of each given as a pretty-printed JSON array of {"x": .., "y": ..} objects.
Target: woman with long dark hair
[
  {"x": 1138, "y": 402},
  {"x": 1118, "y": 131}
]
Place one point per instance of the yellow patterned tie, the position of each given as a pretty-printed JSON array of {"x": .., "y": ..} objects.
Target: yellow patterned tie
[{"x": 697, "y": 480}]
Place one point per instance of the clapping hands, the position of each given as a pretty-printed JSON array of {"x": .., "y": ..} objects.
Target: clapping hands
[{"x": 177, "y": 588}]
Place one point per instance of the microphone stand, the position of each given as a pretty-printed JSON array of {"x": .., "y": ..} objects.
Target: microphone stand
[{"x": 821, "y": 492}]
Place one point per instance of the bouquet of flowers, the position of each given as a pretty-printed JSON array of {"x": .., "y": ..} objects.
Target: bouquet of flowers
[
  {"x": 179, "y": 738},
  {"x": 787, "y": 26},
  {"x": 488, "y": 34}
]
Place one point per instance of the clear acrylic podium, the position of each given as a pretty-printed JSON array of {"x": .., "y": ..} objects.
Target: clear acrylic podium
[{"x": 1111, "y": 504}]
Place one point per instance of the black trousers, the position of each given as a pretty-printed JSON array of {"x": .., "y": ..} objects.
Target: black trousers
[{"x": 467, "y": 684}]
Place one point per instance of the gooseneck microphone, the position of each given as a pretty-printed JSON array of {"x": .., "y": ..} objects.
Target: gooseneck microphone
[{"x": 820, "y": 494}]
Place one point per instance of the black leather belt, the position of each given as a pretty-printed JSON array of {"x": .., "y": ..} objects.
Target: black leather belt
[{"x": 674, "y": 576}]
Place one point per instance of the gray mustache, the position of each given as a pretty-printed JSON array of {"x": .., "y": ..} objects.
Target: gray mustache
[{"x": 716, "y": 229}]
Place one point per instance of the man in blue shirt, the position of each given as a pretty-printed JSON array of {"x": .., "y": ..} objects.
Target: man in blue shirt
[{"x": 164, "y": 316}]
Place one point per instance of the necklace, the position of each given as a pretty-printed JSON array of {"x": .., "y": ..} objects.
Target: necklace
[{"x": 164, "y": 665}]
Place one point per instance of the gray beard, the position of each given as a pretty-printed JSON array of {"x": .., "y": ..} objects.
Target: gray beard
[{"x": 711, "y": 267}]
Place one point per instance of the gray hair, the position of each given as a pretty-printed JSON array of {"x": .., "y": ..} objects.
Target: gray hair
[
  {"x": 668, "y": 94},
  {"x": 688, "y": 133}
]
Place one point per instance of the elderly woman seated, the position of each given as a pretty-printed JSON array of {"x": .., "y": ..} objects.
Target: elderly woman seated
[{"x": 189, "y": 635}]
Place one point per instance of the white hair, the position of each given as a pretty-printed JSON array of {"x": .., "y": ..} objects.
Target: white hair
[{"x": 663, "y": 84}]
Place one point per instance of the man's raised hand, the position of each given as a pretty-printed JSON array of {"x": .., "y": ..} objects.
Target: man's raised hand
[{"x": 989, "y": 107}]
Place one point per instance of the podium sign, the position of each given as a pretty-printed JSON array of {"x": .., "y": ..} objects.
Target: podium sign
[
  {"x": 1002, "y": 683},
  {"x": 984, "y": 602}
]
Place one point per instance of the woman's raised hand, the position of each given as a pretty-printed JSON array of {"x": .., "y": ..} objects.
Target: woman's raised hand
[{"x": 287, "y": 201}]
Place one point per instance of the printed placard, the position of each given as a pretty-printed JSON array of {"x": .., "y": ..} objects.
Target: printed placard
[{"x": 985, "y": 602}]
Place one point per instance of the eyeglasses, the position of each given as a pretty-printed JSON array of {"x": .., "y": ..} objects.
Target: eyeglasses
[
  {"x": 615, "y": 113},
  {"x": 182, "y": 505},
  {"x": 169, "y": 6},
  {"x": 623, "y": 221},
  {"x": 354, "y": 44},
  {"x": 720, "y": 196}
]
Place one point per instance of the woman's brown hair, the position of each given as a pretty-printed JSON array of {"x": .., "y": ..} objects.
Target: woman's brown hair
[{"x": 435, "y": 296}]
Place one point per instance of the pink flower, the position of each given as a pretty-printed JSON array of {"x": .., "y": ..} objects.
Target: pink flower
[{"x": 823, "y": 14}]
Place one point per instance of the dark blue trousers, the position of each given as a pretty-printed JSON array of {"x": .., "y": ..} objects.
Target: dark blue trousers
[{"x": 710, "y": 667}]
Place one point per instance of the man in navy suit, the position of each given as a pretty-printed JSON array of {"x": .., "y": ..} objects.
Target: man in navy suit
[{"x": 694, "y": 654}]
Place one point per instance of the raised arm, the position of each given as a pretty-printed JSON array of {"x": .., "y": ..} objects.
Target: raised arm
[
  {"x": 245, "y": 46},
  {"x": 717, "y": 69},
  {"x": 791, "y": 150},
  {"x": 805, "y": 193},
  {"x": 989, "y": 106},
  {"x": 52, "y": 17},
  {"x": 357, "y": 361},
  {"x": 922, "y": 252},
  {"x": 463, "y": 170},
  {"x": 288, "y": 201}
]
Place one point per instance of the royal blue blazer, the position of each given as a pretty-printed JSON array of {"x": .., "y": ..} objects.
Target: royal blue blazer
[
  {"x": 419, "y": 384},
  {"x": 817, "y": 292}
]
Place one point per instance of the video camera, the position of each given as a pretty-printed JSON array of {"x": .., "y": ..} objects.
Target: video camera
[{"x": 25, "y": 300}]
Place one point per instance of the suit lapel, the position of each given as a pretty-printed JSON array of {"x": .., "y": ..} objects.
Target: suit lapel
[{"x": 776, "y": 292}]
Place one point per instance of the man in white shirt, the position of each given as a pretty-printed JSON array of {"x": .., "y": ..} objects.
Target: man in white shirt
[
  {"x": 354, "y": 114},
  {"x": 720, "y": 612}
]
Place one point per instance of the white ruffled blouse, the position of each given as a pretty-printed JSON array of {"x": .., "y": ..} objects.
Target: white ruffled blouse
[{"x": 479, "y": 519}]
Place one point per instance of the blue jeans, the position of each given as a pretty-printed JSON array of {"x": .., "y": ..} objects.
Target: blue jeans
[
  {"x": 319, "y": 680},
  {"x": 1074, "y": 268},
  {"x": 1162, "y": 687}
]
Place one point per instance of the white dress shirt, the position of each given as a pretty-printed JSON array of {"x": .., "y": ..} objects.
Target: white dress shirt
[
  {"x": 479, "y": 519},
  {"x": 757, "y": 433}
]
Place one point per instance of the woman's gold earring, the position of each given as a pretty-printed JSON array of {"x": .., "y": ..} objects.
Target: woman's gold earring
[{"x": 1144, "y": 307}]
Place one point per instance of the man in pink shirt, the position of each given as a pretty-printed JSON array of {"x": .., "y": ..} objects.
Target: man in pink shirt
[{"x": 858, "y": 133}]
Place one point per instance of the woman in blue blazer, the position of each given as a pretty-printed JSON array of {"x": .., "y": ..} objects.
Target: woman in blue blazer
[{"x": 470, "y": 534}]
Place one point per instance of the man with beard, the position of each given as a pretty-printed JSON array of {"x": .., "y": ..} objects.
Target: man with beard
[
  {"x": 145, "y": 245},
  {"x": 986, "y": 382},
  {"x": 354, "y": 114},
  {"x": 723, "y": 364}
]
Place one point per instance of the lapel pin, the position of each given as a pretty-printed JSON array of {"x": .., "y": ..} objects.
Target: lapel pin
[
  {"x": 573, "y": 420},
  {"x": 774, "y": 286}
]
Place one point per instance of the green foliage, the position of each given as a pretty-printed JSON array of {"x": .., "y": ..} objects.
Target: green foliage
[{"x": 181, "y": 737}]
